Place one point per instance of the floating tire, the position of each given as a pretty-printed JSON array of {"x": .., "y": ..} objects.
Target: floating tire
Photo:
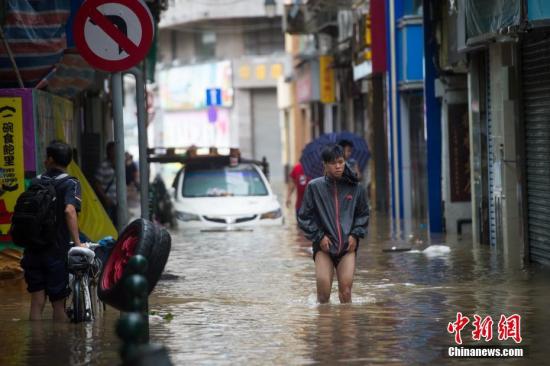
[{"x": 139, "y": 237}]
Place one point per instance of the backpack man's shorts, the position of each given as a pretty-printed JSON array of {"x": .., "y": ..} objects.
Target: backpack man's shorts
[{"x": 46, "y": 272}]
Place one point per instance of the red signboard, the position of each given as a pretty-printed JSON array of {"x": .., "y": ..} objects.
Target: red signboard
[{"x": 113, "y": 35}]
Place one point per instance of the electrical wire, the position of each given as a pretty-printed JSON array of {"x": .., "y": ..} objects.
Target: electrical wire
[
  {"x": 213, "y": 2},
  {"x": 226, "y": 29}
]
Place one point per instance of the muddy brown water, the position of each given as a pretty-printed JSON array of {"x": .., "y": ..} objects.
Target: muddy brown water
[{"x": 249, "y": 298}]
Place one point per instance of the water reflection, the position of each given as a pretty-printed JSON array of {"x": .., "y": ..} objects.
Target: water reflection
[{"x": 249, "y": 298}]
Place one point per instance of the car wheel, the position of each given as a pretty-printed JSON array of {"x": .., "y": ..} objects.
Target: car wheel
[
  {"x": 140, "y": 237},
  {"x": 158, "y": 258}
]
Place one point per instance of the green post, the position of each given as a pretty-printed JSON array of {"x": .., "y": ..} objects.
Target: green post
[{"x": 133, "y": 327}]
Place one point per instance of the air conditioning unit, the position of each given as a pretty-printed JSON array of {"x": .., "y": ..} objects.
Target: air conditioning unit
[{"x": 294, "y": 19}]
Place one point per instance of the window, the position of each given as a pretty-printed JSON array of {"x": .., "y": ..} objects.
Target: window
[
  {"x": 413, "y": 7},
  {"x": 240, "y": 181},
  {"x": 205, "y": 46},
  {"x": 264, "y": 42}
]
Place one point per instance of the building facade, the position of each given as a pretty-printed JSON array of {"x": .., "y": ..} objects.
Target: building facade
[
  {"x": 220, "y": 66},
  {"x": 508, "y": 50}
]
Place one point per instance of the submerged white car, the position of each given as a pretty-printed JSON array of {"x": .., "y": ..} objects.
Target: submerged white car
[{"x": 212, "y": 193}]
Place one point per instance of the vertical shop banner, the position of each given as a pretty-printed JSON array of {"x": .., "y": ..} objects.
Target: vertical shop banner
[
  {"x": 12, "y": 171},
  {"x": 328, "y": 89}
]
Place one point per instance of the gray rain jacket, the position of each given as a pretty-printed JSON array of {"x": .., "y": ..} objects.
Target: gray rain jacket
[{"x": 336, "y": 208}]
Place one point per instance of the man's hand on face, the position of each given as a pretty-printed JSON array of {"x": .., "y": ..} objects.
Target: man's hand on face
[
  {"x": 325, "y": 244},
  {"x": 352, "y": 243}
]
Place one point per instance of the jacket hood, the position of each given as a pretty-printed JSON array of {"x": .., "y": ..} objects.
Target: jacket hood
[{"x": 349, "y": 175}]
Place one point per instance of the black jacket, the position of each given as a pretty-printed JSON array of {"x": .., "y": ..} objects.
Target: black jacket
[{"x": 325, "y": 200}]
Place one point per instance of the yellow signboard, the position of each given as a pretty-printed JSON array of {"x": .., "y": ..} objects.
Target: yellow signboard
[
  {"x": 244, "y": 72},
  {"x": 261, "y": 72},
  {"x": 368, "y": 38},
  {"x": 12, "y": 169},
  {"x": 276, "y": 71},
  {"x": 328, "y": 93}
]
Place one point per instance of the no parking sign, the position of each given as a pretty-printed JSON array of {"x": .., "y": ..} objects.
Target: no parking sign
[{"x": 113, "y": 35}]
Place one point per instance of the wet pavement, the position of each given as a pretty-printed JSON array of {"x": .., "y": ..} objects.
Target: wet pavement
[{"x": 249, "y": 298}]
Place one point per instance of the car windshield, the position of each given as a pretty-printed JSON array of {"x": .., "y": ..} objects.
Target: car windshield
[{"x": 224, "y": 181}]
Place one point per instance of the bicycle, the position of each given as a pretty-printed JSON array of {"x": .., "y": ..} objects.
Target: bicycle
[{"x": 85, "y": 269}]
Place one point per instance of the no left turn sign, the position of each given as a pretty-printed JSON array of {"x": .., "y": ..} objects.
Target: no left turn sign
[{"x": 113, "y": 35}]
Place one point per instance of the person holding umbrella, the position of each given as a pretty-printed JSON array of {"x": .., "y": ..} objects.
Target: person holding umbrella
[
  {"x": 355, "y": 151},
  {"x": 334, "y": 216},
  {"x": 347, "y": 145}
]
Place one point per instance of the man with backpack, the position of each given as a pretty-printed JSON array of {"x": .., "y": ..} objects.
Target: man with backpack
[{"x": 44, "y": 223}]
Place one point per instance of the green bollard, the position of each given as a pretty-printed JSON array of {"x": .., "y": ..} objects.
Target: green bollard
[{"x": 133, "y": 327}]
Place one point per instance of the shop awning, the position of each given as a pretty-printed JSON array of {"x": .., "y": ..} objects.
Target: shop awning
[{"x": 39, "y": 36}]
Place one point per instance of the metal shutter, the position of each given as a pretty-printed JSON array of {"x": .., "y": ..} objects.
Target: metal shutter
[
  {"x": 267, "y": 131},
  {"x": 536, "y": 105}
]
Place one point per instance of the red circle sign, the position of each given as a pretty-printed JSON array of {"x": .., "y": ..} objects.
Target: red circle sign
[{"x": 113, "y": 35}]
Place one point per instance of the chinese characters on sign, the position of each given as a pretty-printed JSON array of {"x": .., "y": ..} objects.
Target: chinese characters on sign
[
  {"x": 9, "y": 152},
  {"x": 11, "y": 160},
  {"x": 508, "y": 328},
  {"x": 328, "y": 93}
]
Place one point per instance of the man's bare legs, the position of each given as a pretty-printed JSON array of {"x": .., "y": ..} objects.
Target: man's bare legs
[
  {"x": 324, "y": 272},
  {"x": 59, "y": 314},
  {"x": 345, "y": 272},
  {"x": 38, "y": 301}
]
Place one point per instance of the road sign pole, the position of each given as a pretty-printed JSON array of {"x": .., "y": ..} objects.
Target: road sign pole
[
  {"x": 142, "y": 140},
  {"x": 120, "y": 163}
]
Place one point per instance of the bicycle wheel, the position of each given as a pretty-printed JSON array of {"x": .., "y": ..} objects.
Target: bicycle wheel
[
  {"x": 96, "y": 305},
  {"x": 79, "y": 310},
  {"x": 87, "y": 300}
]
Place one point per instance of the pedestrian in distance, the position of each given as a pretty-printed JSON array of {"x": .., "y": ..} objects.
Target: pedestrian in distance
[
  {"x": 45, "y": 222},
  {"x": 348, "y": 151},
  {"x": 297, "y": 182},
  {"x": 105, "y": 183},
  {"x": 132, "y": 171},
  {"x": 334, "y": 216}
]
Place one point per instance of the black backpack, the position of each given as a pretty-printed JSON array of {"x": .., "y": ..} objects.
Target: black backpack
[{"x": 34, "y": 218}]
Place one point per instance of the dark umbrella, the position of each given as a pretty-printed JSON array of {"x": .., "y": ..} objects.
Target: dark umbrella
[{"x": 312, "y": 162}]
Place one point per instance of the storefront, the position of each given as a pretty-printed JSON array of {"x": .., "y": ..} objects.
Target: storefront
[
  {"x": 308, "y": 97},
  {"x": 407, "y": 142},
  {"x": 535, "y": 81}
]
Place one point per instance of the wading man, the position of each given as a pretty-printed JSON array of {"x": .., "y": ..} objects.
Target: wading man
[
  {"x": 334, "y": 216},
  {"x": 45, "y": 222}
]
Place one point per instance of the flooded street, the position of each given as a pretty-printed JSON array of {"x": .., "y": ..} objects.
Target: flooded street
[{"x": 249, "y": 298}]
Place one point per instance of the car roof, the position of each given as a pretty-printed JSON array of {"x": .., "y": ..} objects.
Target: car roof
[{"x": 215, "y": 162}]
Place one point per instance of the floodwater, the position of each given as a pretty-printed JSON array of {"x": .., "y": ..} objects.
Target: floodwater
[{"x": 249, "y": 298}]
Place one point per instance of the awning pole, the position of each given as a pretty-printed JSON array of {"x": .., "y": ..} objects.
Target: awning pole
[
  {"x": 120, "y": 163},
  {"x": 142, "y": 140}
]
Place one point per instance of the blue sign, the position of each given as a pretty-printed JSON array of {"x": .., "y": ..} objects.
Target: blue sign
[
  {"x": 538, "y": 10},
  {"x": 212, "y": 115},
  {"x": 214, "y": 97}
]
